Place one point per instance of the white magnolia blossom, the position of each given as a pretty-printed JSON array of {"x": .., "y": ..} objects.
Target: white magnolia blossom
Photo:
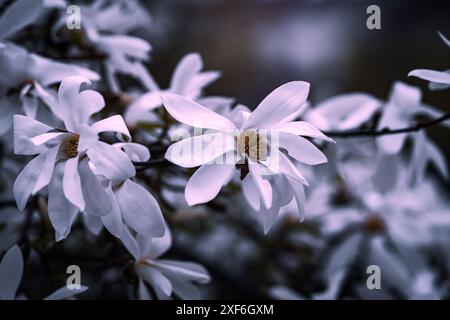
[
  {"x": 69, "y": 159},
  {"x": 403, "y": 105},
  {"x": 105, "y": 25},
  {"x": 438, "y": 79},
  {"x": 11, "y": 269},
  {"x": 343, "y": 112},
  {"x": 188, "y": 80},
  {"x": 166, "y": 277},
  {"x": 244, "y": 142}
]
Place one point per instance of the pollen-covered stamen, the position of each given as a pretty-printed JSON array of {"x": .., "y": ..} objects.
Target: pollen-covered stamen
[
  {"x": 374, "y": 224},
  {"x": 69, "y": 146},
  {"x": 252, "y": 144}
]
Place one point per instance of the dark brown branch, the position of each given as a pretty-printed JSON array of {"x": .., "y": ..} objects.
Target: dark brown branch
[{"x": 386, "y": 131}]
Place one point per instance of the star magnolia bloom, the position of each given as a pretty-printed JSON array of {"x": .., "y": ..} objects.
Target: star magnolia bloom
[
  {"x": 166, "y": 277},
  {"x": 252, "y": 143},
  {"x": 187, "y": 81},
  {"x": 11, "y": 268},
  {"x": 30, "y": 75},
  {"x": 403, "y": 105},
  {"x": 65, "y": 158},
  {"x": 438, "y": 79}
]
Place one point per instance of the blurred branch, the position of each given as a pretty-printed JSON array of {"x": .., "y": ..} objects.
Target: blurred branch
[{"x": 386, "y": 131}]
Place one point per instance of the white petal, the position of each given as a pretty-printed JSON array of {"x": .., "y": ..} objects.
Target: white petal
[
  {"x": 193, "y": 114},
  {"x": 431, "y": 75},
  {"x": 113, "y": 220},
  {"x": 299, "y": 194},
  {"x": 27, "y": 179},
  {"x": 251, "y": 192},
  {"x": 143, "y": 292},
  {"x": 205, "y": 184},
  {"x": 24, "y": 130},
  {"x": 130, "y": 244},
  {"x": 184, "y": 271},
  {"x": 47, "y": 170},
  {"x": 88, "y": 138},
  {"x": 72, "y": 184},
  {"x": 186, "y": 69},
  {"x": 152, "y": 248},
  {"x": 302, "y": 128},
  {"x": 18, "y": 15},
  {"x": 301, "y": 149},
  {"x": 60, "y": 211},
  {"x": 11, "y": 268},
  {"x": 111, "y": 162},
  {"x": 279, "y": 104},
  {"x": 135, "y": 151},
  {"x": 156, "y": 279},
  {"x": 97, "y": 200},
  {"x": 263, "y": 186},
  {"x": 112, "y": 124},
  {"x": 65, "y": 292},
  {"x": 198, "y": 150},
  {"x": 140, "y": 209}
]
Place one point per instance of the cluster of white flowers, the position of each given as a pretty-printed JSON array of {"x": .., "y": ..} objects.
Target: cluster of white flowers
[{"x": 83, "y": 165}]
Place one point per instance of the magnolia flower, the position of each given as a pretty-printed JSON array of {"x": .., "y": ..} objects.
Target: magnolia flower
[
  {"x": 403, "y": 105},
  {"x": 438, "y": 79},
  {"x": 11, "y": 269},
  {"x": 188, "y": 80},
  {"x": 251, "y": 143},
  {"x": 25, "y": 77},
  {"x": 343, "y": 112},
  {"x": 66, "y": 158},
  {"x": 166, "y": 277},
  {"x": 104, "y": 24}
]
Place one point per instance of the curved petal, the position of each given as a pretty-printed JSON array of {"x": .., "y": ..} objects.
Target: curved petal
[
  {"x": 184, "y": 271},
  {"x": 206, "y": 182},
  {"x": 18, "y": 15},
  {"x": 302, "y": 128},
  {"x": 251, "y": 194},
  {"x": 301, "y": 149},
  {"x": 279, "y": 104},
  {"x": 186, "y": 69},
  {"x": 130, "y": 244},
  {"x": 25, "y": 129},
  {"x": 198, "y": 150},
  {"x": 47, "y": 170},
  {"x": 113, "y": 220},
  {"x": 112, "y": 124},
  {"x": 72, "y": 184},
  {"x": 135, "y": 151},
  {"x": 111, "y": 162},
  {"x": 299, "y": 194},
  {"x": 156, "y": 279},
  {"x": 431, "y": 75},
  {"x": 11, "y": 268},
  {"x": 152, "y": 248},
  {"x": 193, "y": 114},
  {"x": 140, "y": 209},
  {"x": 264, "y": 187}
]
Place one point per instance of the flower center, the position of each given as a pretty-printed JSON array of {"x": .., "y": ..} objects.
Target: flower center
[
  {"x": 69, "y": 147},
  {"x": 374, "y": 224},
  {"x": 252, "y": 144}
]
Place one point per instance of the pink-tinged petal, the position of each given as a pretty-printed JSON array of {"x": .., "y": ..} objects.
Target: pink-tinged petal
[
  {"x": 156, "y": 279},
  {"x": 111, "y": 162},
  {"x": 47, "y": 170},
  {"x": 280, "y": 163},
  {"x": 193, "y": 114},
  {"x": 186, "y": 69},
  {"x": 113, "y": 220},
  {"x": 205, "y": 184},
  {"x": 72, "y": 184},
  {"x": 135, "y": 151},
  {"x": 130, "y": 244},
  {"x": 65, "y": 292},
  {"x": 431, "y": 75},
  {"x": 24, "y": 130},
  {"x": 198, "y": 150},
  {"x": 27, "y": 179},
  {"x": 140, "y": 110},
  {"x": 89, "y": 102},
  {"x": 140, "y": 210},
  {"x": 88, "y": 138},
  {"x": 97, "y": 200},
  {"x": 279, "y": 104},
  {"x": 18, "y": 15},
  {"x": 46, "y": 137},
  {"x": 68, "y": 95},
  {"x": 60, "y": 211},
  {"x": 299, "y": 194},
  {"x": 112, "y": 124},
  {"x": 403, "y": 96},
  {"x": 263, "y": 186},
  {"x": 301, "y": 149},
  {"x": 184, "y": 271},
  {"x": 11, "y": 268},
  {"x": 302, "y": 128},
  {"x": 198, "y": 82},
  {"x": 251, "y": 194},
  {"x": 152, "y": 248},
  {"x": 360, "y": 116}
]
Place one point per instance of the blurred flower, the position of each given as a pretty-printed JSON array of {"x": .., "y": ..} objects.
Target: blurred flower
[
  {"x": 242, "y": 143},
  {"x": 166, "y": 277},
  {"x": 11, "y": 268}
]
